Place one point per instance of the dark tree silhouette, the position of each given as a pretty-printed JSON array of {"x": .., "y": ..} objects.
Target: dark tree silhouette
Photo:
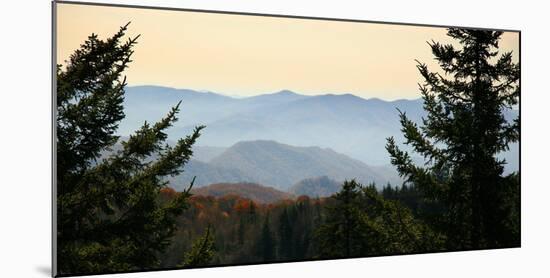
[
  {"x": 285, "y": 236},
  {"x": 108, "y": 212},
  {"x": 240, "y": 231},
  {"x": 266, "y": 243},
  {"x": 464, "y": 131},
  {"x": 362, "y": 223},
  {"x": 345, "y": 232},
  {"x": 202, "y": 251}
]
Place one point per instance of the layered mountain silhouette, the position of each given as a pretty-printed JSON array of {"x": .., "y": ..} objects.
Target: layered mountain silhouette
[
  {"x": 278, "y": 165},
  {"x": 347, "y": 124}
]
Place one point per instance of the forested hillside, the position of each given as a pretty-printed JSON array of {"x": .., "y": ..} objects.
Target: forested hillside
[
  {"x": 255, "y": 192},
  {"x": 316, "y": 187}
]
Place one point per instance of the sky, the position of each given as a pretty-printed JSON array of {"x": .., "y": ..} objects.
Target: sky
[{"x": 242, "y": 55}]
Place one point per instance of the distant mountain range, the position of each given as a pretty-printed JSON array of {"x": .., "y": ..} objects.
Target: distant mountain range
[
  {"x": 348, "y": 124},
  {"x": 345, "y": 123},
  {"x": 280, "y": 166}
]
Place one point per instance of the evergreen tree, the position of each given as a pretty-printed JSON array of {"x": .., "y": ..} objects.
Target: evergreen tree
[
  {"x": 108, "y": 212},
  {"x": 304, "y": 240},
  {"x": 285, "y": 236},
  {"x": 363, "y": 223},
  {"x": 395, "y": 228},
  {"x": 266, "y": 244},
  {"x": 201, "y": 252},
  {"x": 460, "y": 138},
  {"x": 252, "y": 212},
  {"x": 240, "y": 232},
  {"x": 345, "y": 232}
]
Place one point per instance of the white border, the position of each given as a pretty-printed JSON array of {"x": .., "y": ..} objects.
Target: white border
[{"x": 25, "y": 203}]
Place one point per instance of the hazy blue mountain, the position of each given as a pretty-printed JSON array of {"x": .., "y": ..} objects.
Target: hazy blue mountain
[
  {"x": 151, "y": 103},
  {"x": 316, "y": 187},
  {"x": 281, "y": 166},
  {"x": 206, "y": 174},
  {"x": 272, "y": 99},
  {"x": 206, "y": 153},
  {"x": 346, "y": 123},
  {"x": 512, "y": 158}
]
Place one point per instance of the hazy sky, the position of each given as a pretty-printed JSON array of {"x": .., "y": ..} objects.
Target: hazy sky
[{"x": 250, "y": 55}]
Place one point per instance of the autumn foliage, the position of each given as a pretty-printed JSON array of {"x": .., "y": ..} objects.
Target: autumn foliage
[{"x": 236, "y": 225}]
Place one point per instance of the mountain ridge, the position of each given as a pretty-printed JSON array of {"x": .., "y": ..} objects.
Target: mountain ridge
[
  {"x": 349, "y": 124},
  {"x": 279, "y": 166}
]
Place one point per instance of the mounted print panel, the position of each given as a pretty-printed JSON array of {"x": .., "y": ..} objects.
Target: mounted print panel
[{"x": 188, "y": 139}]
